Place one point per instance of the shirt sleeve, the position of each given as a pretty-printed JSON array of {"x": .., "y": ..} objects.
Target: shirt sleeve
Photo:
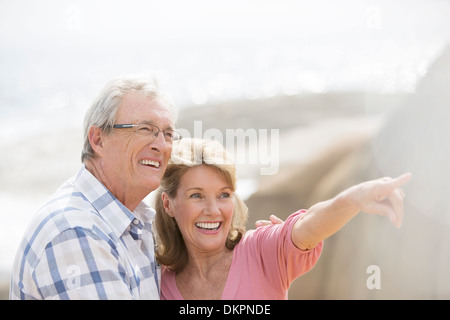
[
  {"x": 282, "y": 262},
  {"x": 78, "y": 264}
]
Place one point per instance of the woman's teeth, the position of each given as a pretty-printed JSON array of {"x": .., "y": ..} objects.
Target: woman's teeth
[
  {"x": 150, "y": 163},
  {"x": 208, "y": 225}
]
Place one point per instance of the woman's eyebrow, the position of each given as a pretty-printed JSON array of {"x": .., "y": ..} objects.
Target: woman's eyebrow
[
  {"x": 201, "y": 189},
  {"x": 194, "y": 188}
]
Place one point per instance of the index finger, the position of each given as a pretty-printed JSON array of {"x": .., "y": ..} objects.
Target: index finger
[{"x": 400, "y": 180}]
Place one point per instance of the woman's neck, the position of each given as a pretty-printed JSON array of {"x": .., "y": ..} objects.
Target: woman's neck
[
  {"x": 205, "y": 276},
  {"x": 204, "y": 264}
]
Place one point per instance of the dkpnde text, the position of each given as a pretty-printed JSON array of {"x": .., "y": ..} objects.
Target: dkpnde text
[{"x": 246, "y": 309}]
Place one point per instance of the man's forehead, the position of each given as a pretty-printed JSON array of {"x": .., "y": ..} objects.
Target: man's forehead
[
  {"x": 138, "y": 107},
  {"x": 137, "y": 100}
]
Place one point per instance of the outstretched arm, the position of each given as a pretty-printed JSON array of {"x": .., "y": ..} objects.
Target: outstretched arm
[{"x": 382, "y": 196}]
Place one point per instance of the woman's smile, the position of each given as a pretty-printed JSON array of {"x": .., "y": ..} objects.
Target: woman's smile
[{"x": 208, "y": 227}]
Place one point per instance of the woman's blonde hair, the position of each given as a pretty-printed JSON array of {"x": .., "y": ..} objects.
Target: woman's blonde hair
[{"x": 187, "y": 153}]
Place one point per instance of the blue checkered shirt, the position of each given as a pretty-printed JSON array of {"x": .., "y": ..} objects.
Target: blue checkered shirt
[{"x": 85, "y": 244}]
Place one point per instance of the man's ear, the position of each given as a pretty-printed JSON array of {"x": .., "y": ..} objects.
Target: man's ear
[
  {"x": 167, "y": 204},
  {"x": 96, "y": 139}
]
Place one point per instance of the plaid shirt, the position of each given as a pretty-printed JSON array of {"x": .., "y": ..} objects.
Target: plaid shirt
[{"x": 85, "y": 244}]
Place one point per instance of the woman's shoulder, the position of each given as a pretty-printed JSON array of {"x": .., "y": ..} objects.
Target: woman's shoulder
[
  {"x": 269, "y": 238},
  {"x": 273, "y": 229},
  {"x": 169, "y": 289}
]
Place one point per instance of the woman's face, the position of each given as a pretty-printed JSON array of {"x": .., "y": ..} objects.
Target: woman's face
[{"x": 203, "y": 209}]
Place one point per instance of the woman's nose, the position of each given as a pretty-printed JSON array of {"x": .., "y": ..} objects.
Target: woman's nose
[{"x": 211, "y": 207}]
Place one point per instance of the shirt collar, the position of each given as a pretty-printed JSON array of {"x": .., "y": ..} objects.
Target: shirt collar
[{"x": 110, "y": 209}]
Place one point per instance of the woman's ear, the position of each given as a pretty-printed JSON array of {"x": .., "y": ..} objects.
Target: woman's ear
[{"x": 167, "y": 204}]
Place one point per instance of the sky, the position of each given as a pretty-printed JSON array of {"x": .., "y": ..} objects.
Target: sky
[{"x": 214, "y": 50}]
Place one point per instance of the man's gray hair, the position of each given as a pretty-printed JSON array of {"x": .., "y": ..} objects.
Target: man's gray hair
[{"x": 102, "y": 113}]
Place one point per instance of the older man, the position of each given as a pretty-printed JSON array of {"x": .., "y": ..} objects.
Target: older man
[{"x": 93, "y": 238}]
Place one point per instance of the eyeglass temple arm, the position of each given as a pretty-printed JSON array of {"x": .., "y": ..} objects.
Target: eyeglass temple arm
[{"x": 124, "y": 125}]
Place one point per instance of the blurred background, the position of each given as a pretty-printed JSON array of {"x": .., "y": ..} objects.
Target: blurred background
[{"x": 358, "y": 89}]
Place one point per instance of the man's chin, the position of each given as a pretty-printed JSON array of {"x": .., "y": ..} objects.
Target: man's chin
[{"x": 153, "y": 184}]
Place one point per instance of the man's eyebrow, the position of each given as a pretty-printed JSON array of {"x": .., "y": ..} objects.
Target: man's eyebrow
[{"x": 170, "y": 127}]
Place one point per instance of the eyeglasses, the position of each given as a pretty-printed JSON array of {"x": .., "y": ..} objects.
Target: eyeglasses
[{"x": 146, "y": 129}]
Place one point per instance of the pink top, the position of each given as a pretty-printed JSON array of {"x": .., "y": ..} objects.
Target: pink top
[{"x": 265, "y": 262}]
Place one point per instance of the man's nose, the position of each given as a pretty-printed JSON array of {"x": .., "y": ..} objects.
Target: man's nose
[{"x": 159, "y": 142}]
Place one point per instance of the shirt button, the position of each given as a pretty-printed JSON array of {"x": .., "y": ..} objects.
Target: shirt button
[{"x": 135, "y": 222}]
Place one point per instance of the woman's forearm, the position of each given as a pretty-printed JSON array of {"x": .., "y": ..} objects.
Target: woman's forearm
[
  {"x": 382, "y": 197},
  {"x": 321, "y": 221}
]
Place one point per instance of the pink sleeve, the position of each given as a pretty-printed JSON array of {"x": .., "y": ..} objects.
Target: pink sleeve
[{"x": 281, "y": 260}]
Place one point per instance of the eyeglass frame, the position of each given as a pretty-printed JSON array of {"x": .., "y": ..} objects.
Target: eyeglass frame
[{"x": 130, "y": 125}]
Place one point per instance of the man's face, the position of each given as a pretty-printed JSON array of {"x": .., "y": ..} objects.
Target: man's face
[{"x": 135, "y": 163}]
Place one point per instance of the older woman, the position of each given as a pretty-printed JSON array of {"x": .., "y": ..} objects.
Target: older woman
[{"x": 202, "y": 243}]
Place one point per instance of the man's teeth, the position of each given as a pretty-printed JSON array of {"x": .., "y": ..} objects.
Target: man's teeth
[
  {"x": 208, "y": 225},
  {"x": 150, "y": 163}
]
